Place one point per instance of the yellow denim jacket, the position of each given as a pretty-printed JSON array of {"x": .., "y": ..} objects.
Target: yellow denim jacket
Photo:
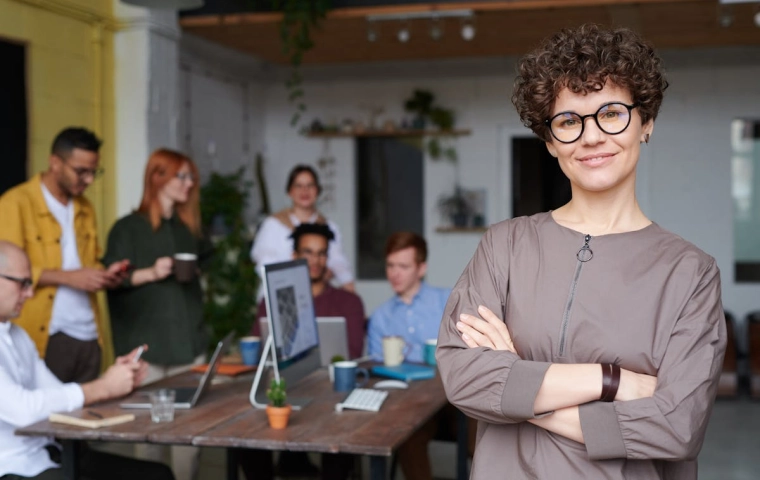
[{"x": 26, "y": 221}]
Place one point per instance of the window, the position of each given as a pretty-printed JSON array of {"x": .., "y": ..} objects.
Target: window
[
  {"x": 538, "y": 184},
  {"x": 390, "y": 197},
  {"x": 13, "y": 120},
  {"x": 745, "y": 190}
]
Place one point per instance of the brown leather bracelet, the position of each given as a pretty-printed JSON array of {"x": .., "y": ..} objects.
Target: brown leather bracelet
[
  {"x": 606, "y": 381},
  {"x": 612, "y": 393}
]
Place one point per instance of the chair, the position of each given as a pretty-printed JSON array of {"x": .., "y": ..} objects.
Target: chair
[
  {"x": 753, "y": 321},
  {"x": 728, "y": 386}
]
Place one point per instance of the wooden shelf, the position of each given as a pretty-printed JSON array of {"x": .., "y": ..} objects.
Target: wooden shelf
[
  {"x": 461, "y": 229},
  {"x": 394, "y": 133}
]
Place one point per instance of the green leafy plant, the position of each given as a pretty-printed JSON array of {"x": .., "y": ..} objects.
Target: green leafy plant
[
  {"x": 420, "y": 103},
  {"x": 337, "y": 358},
  {"x": 230, "y": 279},
  {"x": 299, "y": 17},
  {"x": 276, "y": 393}
]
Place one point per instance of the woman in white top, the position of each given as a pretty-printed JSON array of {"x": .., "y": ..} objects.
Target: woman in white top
[{"x": 273, "y": 243}]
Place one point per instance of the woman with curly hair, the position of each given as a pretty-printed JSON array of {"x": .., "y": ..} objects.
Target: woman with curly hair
[{"x": 587, "y": 341}]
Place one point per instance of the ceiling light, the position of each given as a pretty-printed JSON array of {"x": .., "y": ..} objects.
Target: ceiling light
[
  {"x": 468, "y": 29},
  {"x": 725, "y": 17},
  {"x": 403, "y": 34},
  {"x": 436, "y": 28},
  {"x": 371, "y": 32},
  {"x": 166, "y": 4},
  {"x": 757, "y": 18}
]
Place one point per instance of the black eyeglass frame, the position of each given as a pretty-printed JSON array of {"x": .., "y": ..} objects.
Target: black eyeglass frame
[
  {"x": 24, "y": 282},
  {"x": 596, "y": 119}
]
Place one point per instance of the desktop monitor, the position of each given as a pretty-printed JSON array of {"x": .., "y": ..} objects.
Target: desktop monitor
[
  {"x": 287, "y": 293},
  {"x": 292, "y": 326}
]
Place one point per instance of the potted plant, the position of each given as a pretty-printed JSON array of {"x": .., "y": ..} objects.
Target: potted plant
[
  {"x": 420, "y": 104},
  {"x": 229, "y": 277},
  {"x": 278, "y": 412},
  {"x": 456, "y": 208}
]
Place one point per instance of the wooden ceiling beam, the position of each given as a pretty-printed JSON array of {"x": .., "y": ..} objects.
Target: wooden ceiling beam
[{"x": 476, "y": 6}]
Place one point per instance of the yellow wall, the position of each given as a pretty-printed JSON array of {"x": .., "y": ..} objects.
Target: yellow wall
[{"x": 69, "y": 56}]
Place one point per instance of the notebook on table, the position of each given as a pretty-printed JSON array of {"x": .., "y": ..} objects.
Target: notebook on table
[{"x": 406, "y": 372}]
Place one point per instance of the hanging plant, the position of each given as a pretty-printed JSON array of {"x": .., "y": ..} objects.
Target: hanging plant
[{"x": 299, "y": 18}]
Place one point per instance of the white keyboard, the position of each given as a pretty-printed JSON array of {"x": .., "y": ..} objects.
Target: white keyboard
[{"x": 363, "y": 399}]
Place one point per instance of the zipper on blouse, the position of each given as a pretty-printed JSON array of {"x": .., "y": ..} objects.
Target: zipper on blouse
[{"x": 584, "y": 255}]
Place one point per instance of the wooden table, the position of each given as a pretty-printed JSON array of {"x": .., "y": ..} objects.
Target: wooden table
[{"x": 225, "y": 418}]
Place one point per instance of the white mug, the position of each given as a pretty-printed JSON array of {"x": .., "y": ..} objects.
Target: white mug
[{"x": 393, "y": 350}]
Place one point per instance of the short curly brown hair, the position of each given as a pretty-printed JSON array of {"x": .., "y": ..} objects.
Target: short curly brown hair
[{"x": 583, "y": 59}]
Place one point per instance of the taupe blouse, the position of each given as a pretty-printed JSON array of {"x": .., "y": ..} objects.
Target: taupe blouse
[{"x": 646, "y": 300}]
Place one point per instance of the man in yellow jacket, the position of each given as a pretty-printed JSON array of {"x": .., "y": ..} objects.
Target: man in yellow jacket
[{"x": 48, "y": 217}]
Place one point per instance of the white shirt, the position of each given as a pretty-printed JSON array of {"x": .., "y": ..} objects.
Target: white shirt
[
  {"x": 272, "y": 245},
  {"x": 72, "y": 313},
  {"x": 29, "y": 392}
]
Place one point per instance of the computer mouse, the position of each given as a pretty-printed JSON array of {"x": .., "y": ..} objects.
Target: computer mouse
[{"x": 391, "y": 384}]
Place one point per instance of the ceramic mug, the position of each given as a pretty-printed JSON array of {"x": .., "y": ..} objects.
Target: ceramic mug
[
  {"x": 345, "y": 376},
  {"x": 429, "y": 354},
  {"x": 394, "y": 349}
]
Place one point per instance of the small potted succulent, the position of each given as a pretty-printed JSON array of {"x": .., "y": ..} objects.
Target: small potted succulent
[{"x": 278, "y": 412}]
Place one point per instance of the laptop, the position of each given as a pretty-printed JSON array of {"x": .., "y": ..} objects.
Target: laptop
[
  {"x": 188, "y": 397},
  {"x": 333, "y": 337}
]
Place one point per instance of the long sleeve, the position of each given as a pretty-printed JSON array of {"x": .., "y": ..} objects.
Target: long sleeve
[
  {"x": 24, "y": 405},
  {"x": 376, "y": 331},
  {"x": 336, "y": 258},
  {"x": 671, "y": 424},
  {"x": 494, "y": 386},
  {"x": 13, "y": 227},
  {"x": 272, "y": 243},
  {"x": 119, "y": 247}
]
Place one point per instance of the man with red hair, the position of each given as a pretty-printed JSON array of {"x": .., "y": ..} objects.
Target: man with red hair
[{"x": 50, "y": 219}]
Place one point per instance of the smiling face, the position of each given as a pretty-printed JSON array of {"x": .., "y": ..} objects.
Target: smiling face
[
  {"x": 304, "y": 191},
  {"x": 599, "y": 162},
  {"x": 178, "y": 188}
]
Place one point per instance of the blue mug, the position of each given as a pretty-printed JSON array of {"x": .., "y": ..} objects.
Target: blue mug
[
  {"x": 430, "y": 351},
  {"x": 345, "y": 376},
  {"x": 249, "y": 350}
]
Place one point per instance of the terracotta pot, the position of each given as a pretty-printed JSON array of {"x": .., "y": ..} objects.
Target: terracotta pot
[{"x": 278, "y": 416}]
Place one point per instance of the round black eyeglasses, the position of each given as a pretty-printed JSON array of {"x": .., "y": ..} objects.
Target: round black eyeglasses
[{"x": 611, "y": 118}]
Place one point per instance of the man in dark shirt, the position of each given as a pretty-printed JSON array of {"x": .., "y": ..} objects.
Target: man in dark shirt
[{"x": 310, "y": 241}]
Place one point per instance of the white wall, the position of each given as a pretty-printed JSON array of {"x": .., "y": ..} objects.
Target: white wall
[
  {"x": 684, "y": 176},
  {"x": 145, "y": 80},
  {"x": 221, "y": 111}
]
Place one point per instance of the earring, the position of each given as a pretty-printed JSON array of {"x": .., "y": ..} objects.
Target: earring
[{"x": 646, "y": 138}]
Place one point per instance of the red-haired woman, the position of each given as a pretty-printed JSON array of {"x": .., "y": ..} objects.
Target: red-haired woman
[{"x": 152, "y": 306}]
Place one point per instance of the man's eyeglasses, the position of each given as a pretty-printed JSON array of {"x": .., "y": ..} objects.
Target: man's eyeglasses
[
  {"x": 24, "y": 282},
  {"x": 86, "y": 172},
  {"x": 611, "y": 118},
  {"x": 310, "y": 253}
]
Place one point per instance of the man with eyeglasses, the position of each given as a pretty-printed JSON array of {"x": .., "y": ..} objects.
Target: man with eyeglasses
[
  {"x": 311, "y": 242},
  {"x": 51, "y": 220},
  {"x": 31, "y": 393}
]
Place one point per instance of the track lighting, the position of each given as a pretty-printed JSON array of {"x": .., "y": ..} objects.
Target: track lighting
[
  {"x": 371, "y": 32},
  {"x": 468, "y": 29},
  {"x": 403, "y": 34},
  {"x": 436, "y": 29}
]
